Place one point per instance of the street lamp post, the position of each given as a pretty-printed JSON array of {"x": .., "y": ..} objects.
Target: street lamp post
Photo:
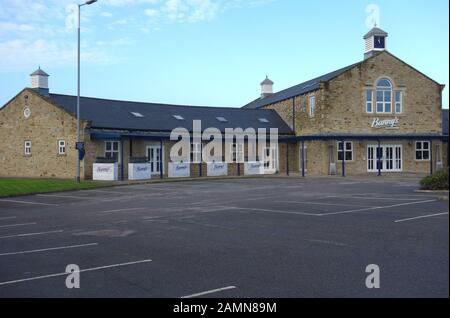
[{"x": 88, "y": 2}]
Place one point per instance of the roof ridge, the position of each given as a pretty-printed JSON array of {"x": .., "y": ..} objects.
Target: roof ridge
[
  {"x": 317, "y": 78},
  {"x": 148, "y": 103}
]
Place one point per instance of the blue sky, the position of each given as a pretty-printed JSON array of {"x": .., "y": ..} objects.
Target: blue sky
[{"x": 207, "y": 52}]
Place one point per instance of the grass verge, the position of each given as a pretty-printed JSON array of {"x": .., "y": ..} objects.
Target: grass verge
[{"x": 13, "y": 187}]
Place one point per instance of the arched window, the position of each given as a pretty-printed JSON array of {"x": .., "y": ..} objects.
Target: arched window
[{"x": 384, "y": 96}]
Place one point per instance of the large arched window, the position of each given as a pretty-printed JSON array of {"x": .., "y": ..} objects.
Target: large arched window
[{"x": 384, "y": 96}]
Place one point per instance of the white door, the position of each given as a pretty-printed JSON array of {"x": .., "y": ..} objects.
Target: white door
[
  {"x": 154, "y": 158},
  {"x": 270, "y": 159},
  {"x": 390, "y": 158}
]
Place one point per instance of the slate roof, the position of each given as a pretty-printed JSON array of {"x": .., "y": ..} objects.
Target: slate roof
[
  {"x": 267, "y": 81},
  {"x": 445, "y": 122},
  {"x": 116, "y": 114},
  {"x": 375, "y": 31},
  {"x": 39, "y": 71},
  {"x": 299, "y": 89}
]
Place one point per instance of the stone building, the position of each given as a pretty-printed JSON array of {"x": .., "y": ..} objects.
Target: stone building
[{"x": 377, "y": 116}]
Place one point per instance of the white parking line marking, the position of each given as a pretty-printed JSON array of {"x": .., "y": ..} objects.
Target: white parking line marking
[
  {"x": 30, "y": 234},
  {"x": 369, "y": 198},
  {"x": 275, "y": 211},
  {"x": 107, "y": 191},
  {"x": 320, "y": 203},
  {"x": 62, "y": 196},
  {"x": 48, "y": 249},
  {"x": 327, "y": 242},
  {"x": 207, "y": 292},
  {"x": 27, "y": 202},
  {"x": 8, "y": 217},
  {"x": 18, "y": 224},
  {"x": 421, "y": 217},
  {"x": 377, "y": 207},
  {"x": 122, "y": 210},
  {"x": 80, "y": 271}
]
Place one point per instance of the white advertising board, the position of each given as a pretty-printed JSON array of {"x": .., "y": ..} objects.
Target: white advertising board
[
  {"x": 217, "y": 169},
  {"x": 105, "y": 171},
  {"x": 179, "y": 170},
  {"x": 253, "y": 167},
  {"x": 139, "y": 171}
]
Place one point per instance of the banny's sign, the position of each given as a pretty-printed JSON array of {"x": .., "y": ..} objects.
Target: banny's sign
[{"x": 391, "y": 123}]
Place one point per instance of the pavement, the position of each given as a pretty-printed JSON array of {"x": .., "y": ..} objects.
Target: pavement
[{"x": 267, "y": 237}]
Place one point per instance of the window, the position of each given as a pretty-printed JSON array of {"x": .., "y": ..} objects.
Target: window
[
  {"x": 312, "y": 106},
  {"x": 222, "y": 119},
  {"x": 384, "y": 96},
  {"x": 369, "y": 101},
  {"x": 305, "y": 157},
  {"x": 27, "y": 148},
  {"x": 196, "y": 152},
  {"x": 136, "y": 114},
  {"x": 112, "y": 149},
  {"x": 237, "y": 149},
  {"x": 346, "y": 153},
  {"x": 61, "y": 147},
  {"x": 398, "y": 101},
  {"x": 422, "y": 150},
  {"x": 178, "y": 117},
  {"x": 263, "y": 120}
]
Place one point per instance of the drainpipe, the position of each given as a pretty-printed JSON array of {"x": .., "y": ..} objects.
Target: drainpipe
[
  {"x": 379, "y": 157},
  {"x": 303, "y": 158},
  {"x": 343, "y": 158}
]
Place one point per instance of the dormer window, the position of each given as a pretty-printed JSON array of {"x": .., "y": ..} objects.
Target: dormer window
[
  {"x": 221, "y": 119},
  {"x": 263, "y": 120}
]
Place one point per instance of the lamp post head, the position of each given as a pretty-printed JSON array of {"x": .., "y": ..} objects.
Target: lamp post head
[{"x": 90, "y": 2}]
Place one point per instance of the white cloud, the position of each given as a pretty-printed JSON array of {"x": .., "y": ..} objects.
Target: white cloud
[
  {"x": 21, "y": 54},
  {"x": 151, "y": 13},
  {"x": 106, "y": 14},
  {"x": 186, "y": 10}
]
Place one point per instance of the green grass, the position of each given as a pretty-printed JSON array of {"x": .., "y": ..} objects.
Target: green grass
[{"x": 11, "y": 187}]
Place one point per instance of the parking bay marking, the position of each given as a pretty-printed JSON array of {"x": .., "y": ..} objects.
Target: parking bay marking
[
  {"x": 27, "y": 202},
  {"x": 421, "y": 217},
  {"x": 30, "y": 234},
  {"x": 63, "y": 196},
  {"x": 81, "y": 271},
  {"x": 122, "y": 210},
  {"x": 322, "y": 203},
  {"x": 207, "y": 292},
  {"x": 377, "y": 207},
  {"x": 48, "y": 249},
  {"x": 17, "y": 224}
]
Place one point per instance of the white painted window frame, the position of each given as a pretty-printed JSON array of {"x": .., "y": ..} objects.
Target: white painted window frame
[
  {"x": 422, "y": 150},
  {"x": 27, "y": 147},
  {"x": 344, "y": 149},
  {"x": 112, "y": 151},
  {"x": 61, "y": 146},
  {"x": 312, "y": 106}
]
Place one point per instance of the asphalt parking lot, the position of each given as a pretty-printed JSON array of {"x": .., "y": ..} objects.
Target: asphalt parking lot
[{"x": 258, "y": 237}]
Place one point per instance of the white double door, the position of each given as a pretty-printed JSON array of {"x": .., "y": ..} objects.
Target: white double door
[
  {"x": 390, "y": 158},
  {"x": 154, "y": 157}
]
